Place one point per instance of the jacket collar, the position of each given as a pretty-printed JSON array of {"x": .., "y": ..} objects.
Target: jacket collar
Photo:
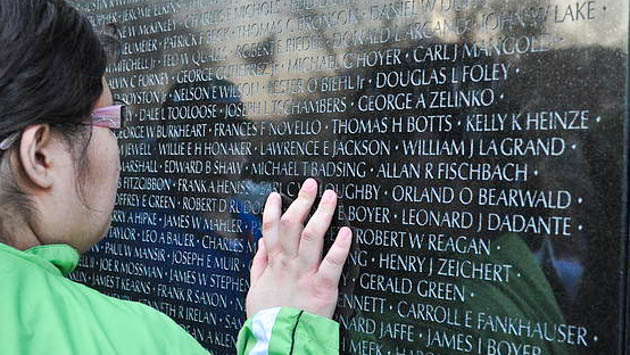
[{"x": 56, "y": 258}]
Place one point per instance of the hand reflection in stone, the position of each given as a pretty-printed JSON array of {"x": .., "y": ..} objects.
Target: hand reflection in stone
[{"x": 288, "y": 269}]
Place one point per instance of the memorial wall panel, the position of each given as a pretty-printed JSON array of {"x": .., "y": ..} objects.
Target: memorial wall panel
[{"x": 478, "y": 148}]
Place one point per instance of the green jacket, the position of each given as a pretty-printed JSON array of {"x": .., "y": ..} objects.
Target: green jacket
[{"x": 43, "y": 312}]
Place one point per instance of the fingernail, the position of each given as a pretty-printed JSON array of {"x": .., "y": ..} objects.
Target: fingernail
[
  {"x": 329, "y": 195},
  {"x": 309, "y": 184},
  {"x": 345, "y": 234}
]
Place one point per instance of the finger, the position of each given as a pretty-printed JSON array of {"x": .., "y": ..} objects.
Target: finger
[
  {"x": 312, "y": 238},
  {"x": 259, "y": 264},
  {"x": 271, "y": 220},
  {"x": 292, "y": 221},
  {"x": 330, "y": 269}
]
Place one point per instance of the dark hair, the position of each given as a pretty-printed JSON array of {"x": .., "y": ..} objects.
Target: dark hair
[
  {"x": 51, "y": 64},
  {"x": 51, "y": 68}
]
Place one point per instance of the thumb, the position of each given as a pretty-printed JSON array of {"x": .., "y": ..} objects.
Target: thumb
[{"x": 259, "y": 264}]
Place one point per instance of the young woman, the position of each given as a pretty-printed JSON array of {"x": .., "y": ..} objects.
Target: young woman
[{"x": 59, "y": 168}]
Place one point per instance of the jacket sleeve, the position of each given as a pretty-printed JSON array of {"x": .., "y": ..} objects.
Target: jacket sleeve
[{"x": 284, "y": 331}]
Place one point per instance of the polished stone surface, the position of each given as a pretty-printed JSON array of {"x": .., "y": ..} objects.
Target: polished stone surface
[{"x": 477, "y": 147}]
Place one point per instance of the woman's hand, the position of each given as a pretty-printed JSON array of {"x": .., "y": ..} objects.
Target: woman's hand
[{"x": 288, "y": 270}]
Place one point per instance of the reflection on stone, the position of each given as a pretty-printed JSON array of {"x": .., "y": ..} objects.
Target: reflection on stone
[{"x": 476, "y": 146}]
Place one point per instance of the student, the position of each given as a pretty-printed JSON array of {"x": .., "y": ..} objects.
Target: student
[{"x": 59, "y": 168}]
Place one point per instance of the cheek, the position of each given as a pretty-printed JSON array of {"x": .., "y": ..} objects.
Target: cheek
[
  {"x": 113, "y": 164},
  {"x": 105, "y": 165}
]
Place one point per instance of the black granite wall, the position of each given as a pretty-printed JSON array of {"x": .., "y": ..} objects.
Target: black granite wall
[{"x": 478, "y": 148}]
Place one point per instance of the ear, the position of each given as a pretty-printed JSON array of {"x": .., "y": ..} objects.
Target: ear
[{"x": 37, "y": 152}]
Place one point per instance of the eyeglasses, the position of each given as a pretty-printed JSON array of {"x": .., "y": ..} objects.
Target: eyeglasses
[{"x": 111, "y": 117}]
